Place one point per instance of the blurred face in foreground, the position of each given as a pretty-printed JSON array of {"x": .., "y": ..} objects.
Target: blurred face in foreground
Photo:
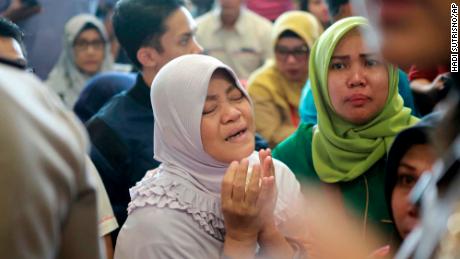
[{"x": 414, "y": 31}]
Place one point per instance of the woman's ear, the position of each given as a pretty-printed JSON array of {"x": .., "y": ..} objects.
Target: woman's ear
[{"x": 147, "y": 56}]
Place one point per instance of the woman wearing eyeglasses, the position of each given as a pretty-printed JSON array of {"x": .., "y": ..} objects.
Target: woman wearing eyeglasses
[
  {"x": 275, "y": 88},
  {"x": 86, "y": 52}
]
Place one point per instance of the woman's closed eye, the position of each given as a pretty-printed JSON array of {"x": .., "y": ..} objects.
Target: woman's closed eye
[
  {"x": 236, "y": 95},
  {"x": 209, "y": 108}
]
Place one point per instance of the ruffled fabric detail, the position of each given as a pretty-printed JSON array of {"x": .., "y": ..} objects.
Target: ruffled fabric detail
[
  {"x": 165, "y": 190},
  {"x": 155, "y": 190}
]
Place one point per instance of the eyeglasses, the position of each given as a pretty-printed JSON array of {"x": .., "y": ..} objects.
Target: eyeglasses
[
  {"x": 81, "y": 45},
  {"x": 299, "y": 53}
]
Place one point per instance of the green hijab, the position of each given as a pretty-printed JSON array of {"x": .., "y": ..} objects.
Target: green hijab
[{"x": 343, "y": 151}]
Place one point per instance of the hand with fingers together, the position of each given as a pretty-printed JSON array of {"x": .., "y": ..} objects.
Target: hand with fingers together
[
  {"x": 272, "y": 242},
  {"x": 268, "y": 173},
  {"x": 244, "y": 207}
]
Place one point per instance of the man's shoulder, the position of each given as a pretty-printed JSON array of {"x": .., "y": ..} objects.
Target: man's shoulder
[
  {"x": 122, "y": 120},
  {"x": 115, "y": 109},
  {"x": 109, "y": 118}
]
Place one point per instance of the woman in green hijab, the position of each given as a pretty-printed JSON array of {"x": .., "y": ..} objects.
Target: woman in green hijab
[{"x": 359, "y": 114}]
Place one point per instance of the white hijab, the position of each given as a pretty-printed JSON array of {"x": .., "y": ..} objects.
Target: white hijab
[
  {"x": 65, "y": 78},
  {"x": 178, "y": 94}
]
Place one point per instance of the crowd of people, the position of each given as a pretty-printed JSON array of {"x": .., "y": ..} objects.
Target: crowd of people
[{"x": 229, "y": 129}]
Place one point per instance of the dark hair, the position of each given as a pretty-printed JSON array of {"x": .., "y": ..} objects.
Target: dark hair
[
  {"x": 139, "y": 23},
  {"x": 90, "y": 26},
  {"x": 289, "y": 34},
  {"x": 303, "y": 5},
  {"x": 334, "y": 6},
  {"x": 104, "y": 9},
  {"x": 227, "y": 74},
  {"x": 11, "y": 30}
]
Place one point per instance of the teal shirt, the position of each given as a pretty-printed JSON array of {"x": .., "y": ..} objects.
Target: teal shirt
[{"x": 364, "y": 195}]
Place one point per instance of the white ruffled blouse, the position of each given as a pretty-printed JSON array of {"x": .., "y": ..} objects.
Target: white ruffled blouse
[{"x": 174, "y": 217}]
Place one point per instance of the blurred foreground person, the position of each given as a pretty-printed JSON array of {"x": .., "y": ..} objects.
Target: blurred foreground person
[
  {"x": 47, "y": 198},
  {"x": 418, "y": 32}
]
